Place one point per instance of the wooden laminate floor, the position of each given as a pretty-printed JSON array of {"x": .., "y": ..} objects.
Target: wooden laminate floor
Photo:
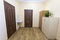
[{"x": 28, "y": 34}]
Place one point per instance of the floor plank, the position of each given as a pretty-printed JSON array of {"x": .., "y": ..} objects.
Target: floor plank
[{"x": 28, "y": 34}]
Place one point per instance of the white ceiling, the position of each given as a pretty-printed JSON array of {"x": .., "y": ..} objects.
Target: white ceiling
[{"x": 32, "y": 0}]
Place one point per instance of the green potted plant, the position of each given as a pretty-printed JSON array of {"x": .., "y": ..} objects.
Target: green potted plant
[{"x": 47, "y": 14}]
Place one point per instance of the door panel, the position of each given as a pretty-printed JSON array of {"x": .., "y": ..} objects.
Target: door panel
[
  {"x": 28, "y": 18},
  {"x": 10, "y": 18}
]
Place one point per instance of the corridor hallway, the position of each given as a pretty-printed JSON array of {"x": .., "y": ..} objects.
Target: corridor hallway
[{"x": 28, "y": 34}]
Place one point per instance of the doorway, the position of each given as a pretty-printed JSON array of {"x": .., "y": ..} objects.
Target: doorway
[{"x": 28, "y": 17}]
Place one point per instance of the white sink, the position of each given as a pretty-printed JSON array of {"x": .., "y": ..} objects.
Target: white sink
[{"x": 19, "y": 21}]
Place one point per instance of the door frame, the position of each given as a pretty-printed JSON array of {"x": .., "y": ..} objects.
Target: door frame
[{"x": 32, "y": 16}]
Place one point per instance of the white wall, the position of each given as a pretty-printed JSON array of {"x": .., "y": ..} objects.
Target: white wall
[
  {"x": 36, "y": 7},
  {"x": 54, "y": 7},
  {"x": 3, "y": 32}
]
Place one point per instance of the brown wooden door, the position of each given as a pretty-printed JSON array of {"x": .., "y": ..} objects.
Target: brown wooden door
[
  {"x": 10, "y": 18},
  {"x": 28, "y": 18}
]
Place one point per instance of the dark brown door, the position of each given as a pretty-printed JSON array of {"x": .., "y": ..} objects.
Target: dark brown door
[
  {"x": 10, "y": 18},
  {"x": 28, "y": 18}
]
